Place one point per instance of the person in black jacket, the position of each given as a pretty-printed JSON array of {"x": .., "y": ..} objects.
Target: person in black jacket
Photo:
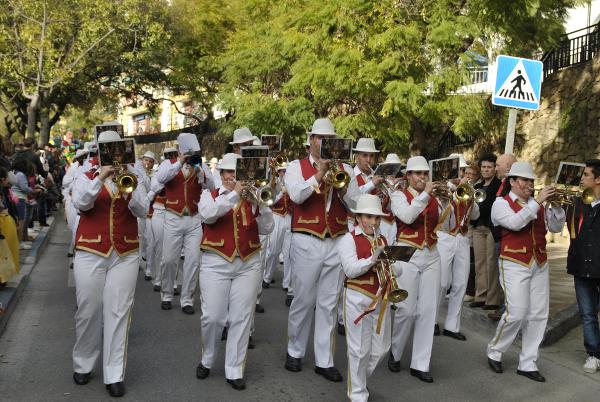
[
  {"x": 487, "y": 285},
  {"x": 583, "y": 262}
]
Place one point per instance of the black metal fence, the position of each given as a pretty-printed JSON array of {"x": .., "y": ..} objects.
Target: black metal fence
[{"x": 576, "y": 47}]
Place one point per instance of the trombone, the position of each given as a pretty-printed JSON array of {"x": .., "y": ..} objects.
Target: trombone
[{"x": 385, "y": 273}]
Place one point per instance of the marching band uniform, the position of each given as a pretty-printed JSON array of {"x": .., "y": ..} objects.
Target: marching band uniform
[
  {"x": 145, "y": 231},
  {"x": 454, "y": 249},
  {"x": 367, "y": 344},
  {"x": 230, "y": 274},
  {"x": 417, "y": 217},
  {"x": 182, "y": 226},
  {"x": 317, "y": 221},
  {"x": 71, "y": 212},
  {"x": 523, "y": 273},
  {"x": 105, "y": 271}
]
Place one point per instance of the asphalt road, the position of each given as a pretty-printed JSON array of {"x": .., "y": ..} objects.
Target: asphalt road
[{"x": 164, "y": 349}]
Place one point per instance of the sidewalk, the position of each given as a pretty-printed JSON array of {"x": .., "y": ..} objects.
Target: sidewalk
[{"x": 13, "y": 289}]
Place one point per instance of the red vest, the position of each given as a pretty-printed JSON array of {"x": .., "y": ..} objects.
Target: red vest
[
  {"x": 233, "y": 234},
  {"x": 182, "y": 193},
  {"x": 158, "y": 199},
  {"x": 385, "y": 200},
  {"x": 311, "y": 216},
  {"x": 526, "y": 244},
  {"x": 421, "y": 232},
  {"x": 367, "y": 283},
  {"x": 109, "y": 224},
  {"x": 281, "y": 207},
  {"x": 460, "y": 211}
]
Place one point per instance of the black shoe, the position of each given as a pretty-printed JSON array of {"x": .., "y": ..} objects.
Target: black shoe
[
  {"x": 285, "y": 289},
  {"x": 166, "y": 305},
  {"x": 81, "y": 378},
  {"x": 265, "y": 285},
  {"x": 237, "y": 384},
  {"x": 495, "y": 365},
  {"x": 532, "y": 375},
  {"x": 176, "y": 291},
  {"x": 422, "y": 375},
  {"x": 202, "y": 372},
  {"x": 259, "y": 309},
  {"x": 436, "y": 330},
  {"x": 44, "y": 225},
  {"x": 393, "y": 365},
  {"x": 147, "y": 277},
  {"x": 251, "y": 344},
  {"x": 69, "y": 255},
  {"x": 156, "y": 288},
  {"x": 293, "y": 364},
  {"x": 330, "y": 373},
  {"x": 288, "y": 300},
  {"x": 456, "y": 335},
  {"x": 490, "y": 307},
  {"x": 188, "y": 310},
  {"x": 116, "y": 389},
  {"x": 143, "y": 258},
  {"x": 476, "y": 304},
  {"x": 224, "y": 334},
  {"x": 272, "y": 281},
  {"x": 341, "y": 329}
]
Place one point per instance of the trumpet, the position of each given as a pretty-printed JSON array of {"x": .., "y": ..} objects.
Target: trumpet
[
  {"x": 466, "y": 193},
  {"x": 565, "y": 196},
  {"x": 126, "y": 181},
  {"x": 339, "y": 177},
  {"x": 279, "y": 160},
  {"x": 261, "y": 194},
  {"x": 385, "y": 273},
  {"x": 441, "y": 190}
]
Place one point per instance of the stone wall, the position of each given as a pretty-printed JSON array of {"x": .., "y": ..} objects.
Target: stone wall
[{"x": 567, "y": 125}]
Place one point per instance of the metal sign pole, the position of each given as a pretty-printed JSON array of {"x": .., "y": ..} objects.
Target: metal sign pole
[{"x": 510, "y": 131}]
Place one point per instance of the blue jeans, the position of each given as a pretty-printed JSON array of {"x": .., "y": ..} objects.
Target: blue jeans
[{"x": 587, "y": 291}]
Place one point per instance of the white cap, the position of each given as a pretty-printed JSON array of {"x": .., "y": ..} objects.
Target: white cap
[
  {"x": 80, "y": 153},
  {"x": 256, "y": 142},
  {"x": 91, "y": 146},
  {"x": 213, "y": 160},
  {"x": 417, "y": 163},
  {"x": 391, "y": 158},
  {"x": 229, "y": 161},
  {"x": 242, "y": 135},
  {"x": 462, "y": 163},
  {"x": 187, "y": 142},
  {"x": 368, "y": 204},
  {"x": 150, "y": 154},
  {"x": 365, "y": 145},
  {"x": 169, "y": 150},
  {"x": 109, "y": 136},
  {"x": 322, "y": 126},
  {"x": 521, "y": 169}
]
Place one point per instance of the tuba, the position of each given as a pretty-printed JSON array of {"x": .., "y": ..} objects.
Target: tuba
[{"x": 385, "y": 273}]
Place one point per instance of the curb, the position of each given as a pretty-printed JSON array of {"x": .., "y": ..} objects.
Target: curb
[{"x": 18, "y": 283}]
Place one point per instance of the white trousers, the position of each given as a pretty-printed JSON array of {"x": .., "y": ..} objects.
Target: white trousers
[
  {"x": 228, "y": 292},
  {"x": 317, "y": 278},
  {"x": 366, "y": 348},
  {"x": 287, "y": 264},
  {"x": 275, "y": 246},
  {"x": 455, "y": 258},
  {"x": 181, "y": 234},
  {"x": 421, "y": 278},
  {"x": 527, "y": 298},
  {"x": 142, "y": 237},
  {"x": 72, "y": 221},
  {"x": 105, "y": 288},
  {"x": 155, "y": 245}
]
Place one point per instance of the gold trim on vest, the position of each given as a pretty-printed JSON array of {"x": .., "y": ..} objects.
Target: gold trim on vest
[
  {"x": 308, "y": 221},
  {"x": 207, "y": 242},
  {"x": 98, "y": 239},
  {"x": 131, "y": 241},
  {"x": 522, "y": 250},
  {"x": 172, "y": 202},
  {"x": 408, "y": 236}
]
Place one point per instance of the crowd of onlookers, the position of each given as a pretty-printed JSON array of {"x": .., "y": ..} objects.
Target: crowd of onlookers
[{"x": 29, "y": 192}]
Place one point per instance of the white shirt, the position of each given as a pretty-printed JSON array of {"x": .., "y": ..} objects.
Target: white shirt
[
  {"x": 503, "y": 215},
  {"x": 85, "y": 192},
  {"x": 351, "y": 264},
  {"x": 167, "y": 171},
  {"x": 404, "y": 211},
  {"x": 300, "y": 189},
  {"x": 155, "y": 188},
  {"x": 210, "y": 210},
  {"x": 354, "y": 190},
  {"x": 450, "y": 221}
]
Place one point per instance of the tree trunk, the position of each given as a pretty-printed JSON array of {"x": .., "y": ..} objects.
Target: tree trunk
[
  {"x": 32, "y": 110},
  {"x": 45, "y": 127},
  {"x": 417, "y": 140}
]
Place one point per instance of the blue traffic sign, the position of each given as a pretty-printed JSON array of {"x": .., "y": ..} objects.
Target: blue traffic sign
[{"x": 518, "y": 83}]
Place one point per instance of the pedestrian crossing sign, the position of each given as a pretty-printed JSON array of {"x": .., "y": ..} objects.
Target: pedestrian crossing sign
[{"x": 518, "y": 83}]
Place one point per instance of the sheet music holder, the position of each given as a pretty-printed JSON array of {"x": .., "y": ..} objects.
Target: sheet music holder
[
  {"x": 397, "y": 253},
  {"x": 388, "y": 169},
  {"x": 254, "y": 151},
  {"x": 271, "y": 141},
  {"x": 336, "y": 148},
  {"x": 251, "y": 169},
  {"x": 122, "y": 151}
]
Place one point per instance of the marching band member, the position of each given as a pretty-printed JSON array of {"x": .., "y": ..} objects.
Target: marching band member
[
  {"x": 417, "y": 214},
  {"x": 231, "y": 270},
  {"x": 242, "y": 137},
  {"x": 368, "y": 328},
  {"x": 319, "y": 217},
  {"x": 454, "y": 250},
  {"x": 183, "y": 182},
  {"x": 146, "y": 165},
  {"x": 71, "y": 213},
  {"x": 523, "y": 268},
  {"x": 105, "y": 271}
]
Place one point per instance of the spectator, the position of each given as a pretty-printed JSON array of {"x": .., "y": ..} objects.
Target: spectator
[
  {"x": 473, "y": 175},
  {"x": 8, "y": 231},
  {"x": 21, "y": 190},
  {"x": 27, "y": 151},
  {"x": 487, "y": 285}
]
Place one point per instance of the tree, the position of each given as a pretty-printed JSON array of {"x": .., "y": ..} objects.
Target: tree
[
  {"x": 60, "y": 53},
  {"x": 387, "y": 69}
]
